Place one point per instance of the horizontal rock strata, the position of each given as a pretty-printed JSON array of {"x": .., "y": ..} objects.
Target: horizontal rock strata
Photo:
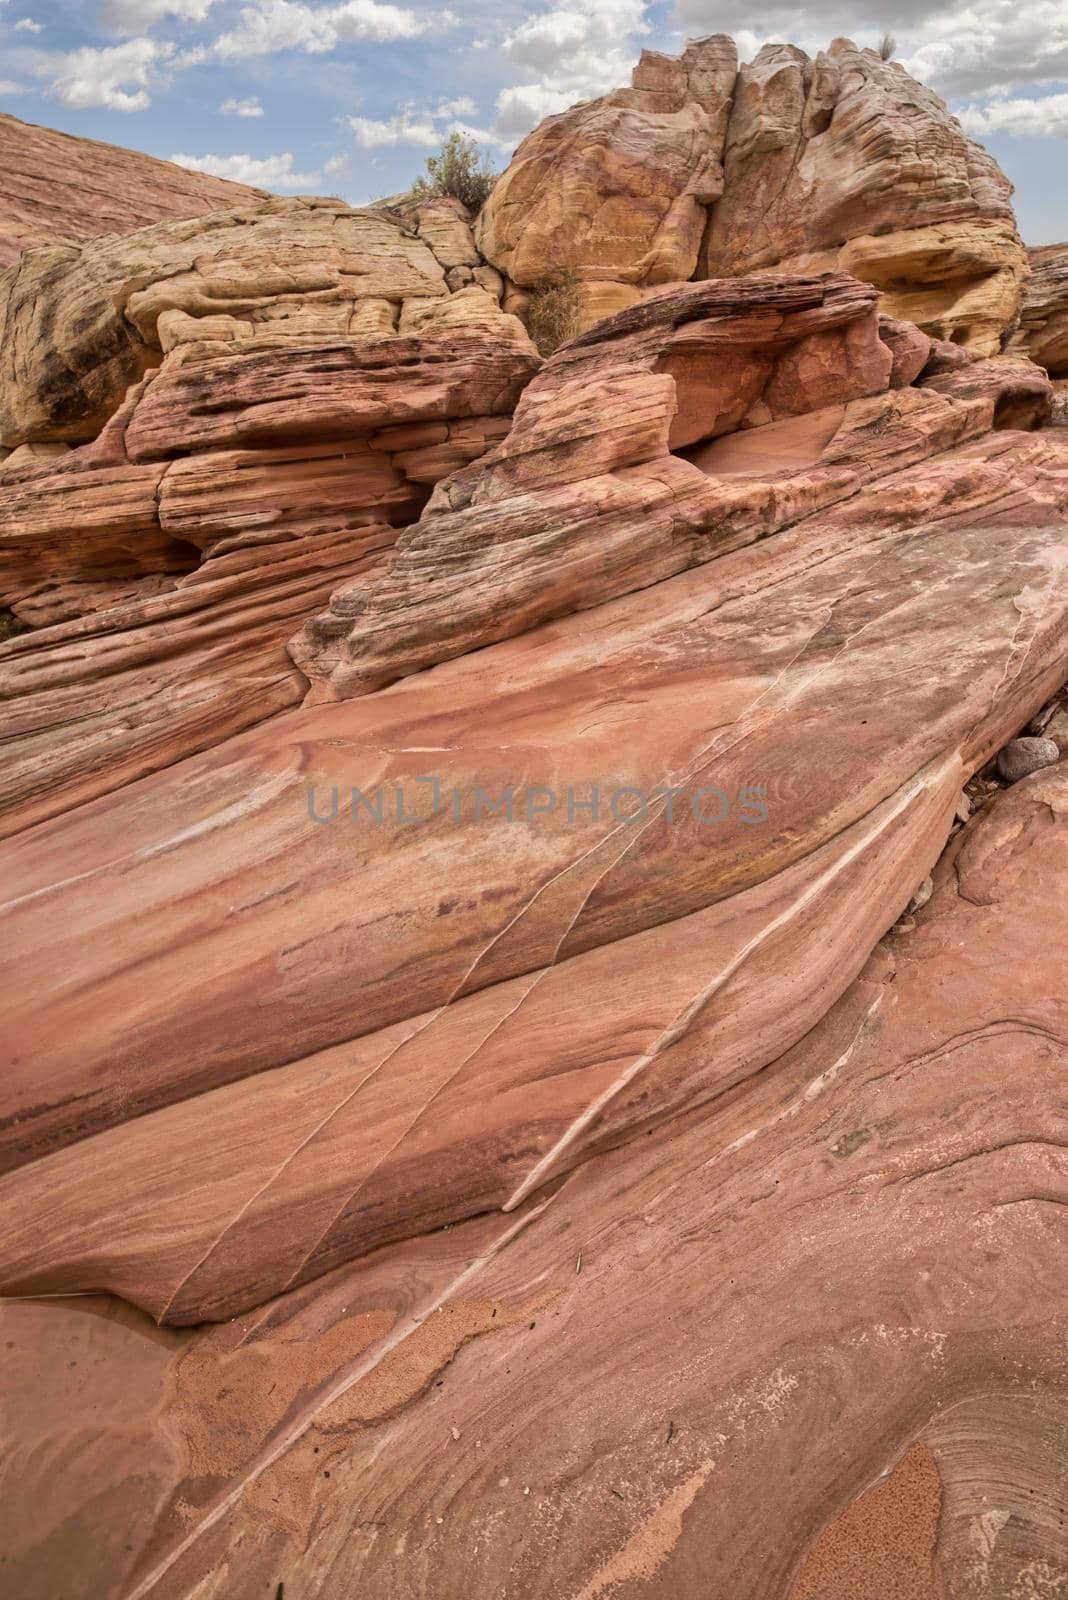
[
  {"x": 165, "y": 565},
  {"x": 1043, "y": 327},
  {"x": 583, "y": 501}
]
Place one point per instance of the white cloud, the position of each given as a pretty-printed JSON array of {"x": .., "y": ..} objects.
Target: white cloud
[
  {"x": 574, "y": 53},
  {"x": 118, "y": 77},
  {"x": 463, "y": 106},
  {"x": 424, "y": 128},
  {"x": 7, "y": 87},
  {"x": 1045, "y": 118},
  {"x": 404, "y": 128},
  {"x": 242, "y": 108},
  {"x": 28, "y": 25},
  {"x": 963, "y": 47},
  {"x": 367, "y": 19},
  {"x": 136, "y": 16},
  {"x": 271, "y": 26},
  {"x": 990, "y": 47},
  {"x": 263, "y": 172}
]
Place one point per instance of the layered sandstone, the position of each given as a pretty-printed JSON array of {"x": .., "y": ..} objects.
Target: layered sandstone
[
  {"x": 472, "y": 1034},
  {"x": 265, "y": 397},
  {"x": 54, "y": 187},
  {"x": 1044, "y": 320},
  {"x": 618, "y": 187},
  {"x": 725, "y": 410},
  {"x": 795, "y": 164},
  {"x": 81, "y": 324},
  {"x": 852, "y": 1263},
  {"x": 164, "y": 566},
  {"x": 374, "y": 1052}
]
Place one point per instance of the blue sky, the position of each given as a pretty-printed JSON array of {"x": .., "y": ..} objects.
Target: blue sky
[{"x": 348, "y": 97}]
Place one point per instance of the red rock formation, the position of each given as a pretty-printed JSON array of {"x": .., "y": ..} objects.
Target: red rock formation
[
  {"x": 54, "y": 188},
  {"x": 850, "y": 1263},
  {"x": 590, "y": 502},
  {"x": 792, "y": 165},
  {"x": 758, "y": 668},
  {"x": 1044, "y": 319},
  {"x": 169, "y": 587},
  {"x": 496, "y": 1039}
]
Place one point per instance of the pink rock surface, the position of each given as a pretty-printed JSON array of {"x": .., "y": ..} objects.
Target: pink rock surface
[
  {"x": 851, "y": 1263},
  {"x": 580, "y": 502},
  {"x": 171, "y": 559},
  {"x": 56, "y": 187},
  {"x": 397, "y": 1010}
]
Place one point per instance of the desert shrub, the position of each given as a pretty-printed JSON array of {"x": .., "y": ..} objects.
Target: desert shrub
[
  {"x": 554, "y": 310},
  {"x": 459, "y": 169},
  {"x": 887, "y": 46}
]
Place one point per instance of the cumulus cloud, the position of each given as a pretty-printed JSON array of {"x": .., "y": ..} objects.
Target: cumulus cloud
[
  {"x": 573, "y": 53},
  {"x": 271, "y": 26},
  {"x": 28, "y": 25},
  {"x": 242, "y": 108},
  {"x": 424, "y": 128},
  {"x": 990, "y": 48},
  {"x": 137, "y": 16},
  {"x": 8, "y": 87},
  {"x": 966, "y": 47},
  {"x": 118, "y": 77},
  {"x": 262, "y": 172},
  {"x": 404, "y": 128},
  {"x": 1046, "y": 117}
]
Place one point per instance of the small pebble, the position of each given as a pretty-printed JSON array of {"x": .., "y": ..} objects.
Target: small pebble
[
  {"x": 1021, "y": 757},
  {"x": 922, "y": 895}
]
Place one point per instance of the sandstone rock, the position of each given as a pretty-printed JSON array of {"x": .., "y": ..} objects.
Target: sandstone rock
[
  {"x": 593, "y": 500},
  {"x": 945, "y": 356},
  {"x": 469, "y": 308},
  {"x": 856, "y": 1257},
  {"x": 55, "y": 187},
  {"x": 1059, "y": 403},
  {"x": 224, "y": 503},
  {"x": 799, "y": 165},
  {"x": 559, "y": 1003},
  {"x": 910, "y": 348},
  {"x": 961, "y": 281},
  {"x": 445, "y": 225},
  {"x": 1021, "y": 391},
  {"x": 1044, "y": 319},
  {"x": 1020, "y": 757},
  {"x": 619, "y": 186},
  {"x": 1057, "y": 729},
  {"x": 79, "y": 325}
]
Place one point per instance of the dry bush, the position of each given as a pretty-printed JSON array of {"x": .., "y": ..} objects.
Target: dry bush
[
  {"x": 459, "y": 169},
  {"x": 554, "y": 310},
  {"x": 887, "y": 46}
]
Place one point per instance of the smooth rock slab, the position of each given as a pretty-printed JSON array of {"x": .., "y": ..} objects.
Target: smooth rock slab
[
  {"x": 851, "y": 1262},
  {"x": 459, "y": 1011}
]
